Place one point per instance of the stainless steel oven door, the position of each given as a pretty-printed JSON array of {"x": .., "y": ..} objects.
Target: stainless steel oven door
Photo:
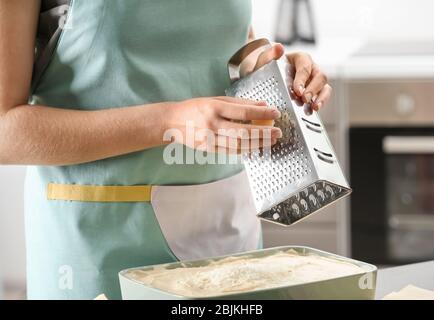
[
  {"x": 409, "y": 173},
  {"x": 392, "y": 207}
]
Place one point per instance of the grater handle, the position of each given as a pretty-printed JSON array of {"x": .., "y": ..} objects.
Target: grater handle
[{"x": 236, "y": 60}]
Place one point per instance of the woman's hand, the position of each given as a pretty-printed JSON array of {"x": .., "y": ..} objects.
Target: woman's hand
[
  {"x": 207, "y": 124},
  {"x": 310, "y": 83}
]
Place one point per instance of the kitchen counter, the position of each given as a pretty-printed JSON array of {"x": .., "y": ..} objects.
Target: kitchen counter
[
  {"x": 394, "y": 279},
  {"x": 339, "y": 59},
  {"x": 329, "y": 54}
]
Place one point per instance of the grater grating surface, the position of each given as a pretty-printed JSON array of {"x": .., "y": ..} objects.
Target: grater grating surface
[{"x": 300, "y": 174}]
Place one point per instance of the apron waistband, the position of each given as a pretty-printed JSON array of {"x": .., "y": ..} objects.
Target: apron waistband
[{"x": 90, "y": 193}]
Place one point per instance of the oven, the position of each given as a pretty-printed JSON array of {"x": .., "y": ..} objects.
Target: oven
[
  {"x": 392, "y": 172},
  {"x": 392, "y": 207}
]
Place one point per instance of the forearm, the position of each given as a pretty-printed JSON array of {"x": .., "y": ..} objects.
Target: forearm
[{"x": 39, "y": 135}]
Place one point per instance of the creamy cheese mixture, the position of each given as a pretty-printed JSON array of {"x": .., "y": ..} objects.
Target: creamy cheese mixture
[{"x": 242, "y": 274}]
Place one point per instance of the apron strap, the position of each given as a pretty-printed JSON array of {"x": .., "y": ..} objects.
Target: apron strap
[{"x": 89, "y": 193}]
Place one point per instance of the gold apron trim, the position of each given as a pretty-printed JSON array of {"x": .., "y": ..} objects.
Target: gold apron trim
[{"x": 90, "y": 193}]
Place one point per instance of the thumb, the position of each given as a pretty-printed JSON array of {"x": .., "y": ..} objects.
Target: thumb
[{"x": 270, "y": 54}]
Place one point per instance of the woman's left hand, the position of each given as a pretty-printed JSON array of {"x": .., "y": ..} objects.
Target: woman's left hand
[{"x": 310, "y": 84}]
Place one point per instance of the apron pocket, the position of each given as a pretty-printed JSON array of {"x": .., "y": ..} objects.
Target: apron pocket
[{"x": 206, "y": 220}]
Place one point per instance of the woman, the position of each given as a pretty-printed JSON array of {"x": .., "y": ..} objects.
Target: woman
[{"x": 109, "y": 79}]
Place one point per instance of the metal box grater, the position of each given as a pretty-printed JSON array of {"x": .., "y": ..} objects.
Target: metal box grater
[{"x": 300, "y": 174}]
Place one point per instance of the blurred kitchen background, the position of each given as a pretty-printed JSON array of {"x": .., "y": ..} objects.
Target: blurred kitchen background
[{"x": 379, "y": 56}]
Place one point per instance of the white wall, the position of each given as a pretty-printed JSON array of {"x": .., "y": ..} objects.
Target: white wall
[
  {"x": 12, "y": 249},
  {"x": 373, "y": 19}
]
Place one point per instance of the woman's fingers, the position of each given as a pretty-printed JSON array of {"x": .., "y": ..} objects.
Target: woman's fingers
[
  {"x": 257, "y": 60},
  {"x": 241, "y": 101},
  {"x": 224, "y": 144},
  {"x": 274, "y": 53},
  {"x": 245, "y": 112},
  {"x": 323, "y": 97},
  {"x": 303, "y": 69},
  {"x": 316, "y": 84},
  {"x": 310, "y": 83},
  {"x": 242, "y": 145},
  {"x": 247, "y": 131}
]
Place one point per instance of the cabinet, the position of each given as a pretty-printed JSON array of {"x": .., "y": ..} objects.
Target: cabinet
[{"x": 390, "y": 102}]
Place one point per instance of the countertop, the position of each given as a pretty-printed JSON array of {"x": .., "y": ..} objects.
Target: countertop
[
  {"x": 338, "y": 59},
  {"x": 394, "y": 279}
]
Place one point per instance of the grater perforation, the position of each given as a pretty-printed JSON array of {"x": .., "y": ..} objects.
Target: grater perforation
[{"x": 300, "y": 174}]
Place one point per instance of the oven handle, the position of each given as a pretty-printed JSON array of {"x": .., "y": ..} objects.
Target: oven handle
[
  {"x": 415, "y": 222},
  {"x": 408, "y": 145}
]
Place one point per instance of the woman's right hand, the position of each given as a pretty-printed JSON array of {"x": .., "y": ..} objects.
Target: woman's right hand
[
  {"x": 57, "y": 136},
  {"x": 221, "y": 124}
]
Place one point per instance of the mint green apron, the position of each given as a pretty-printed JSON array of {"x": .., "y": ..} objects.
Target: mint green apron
[{"x": 120, "y": 53}]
